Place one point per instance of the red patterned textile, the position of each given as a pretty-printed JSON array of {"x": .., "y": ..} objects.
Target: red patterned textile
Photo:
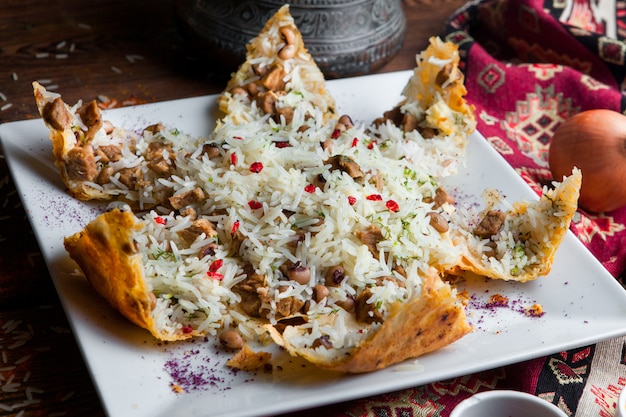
[{"x": 529, "y": 65}]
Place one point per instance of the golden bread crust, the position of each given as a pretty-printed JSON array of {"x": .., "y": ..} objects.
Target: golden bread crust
[
  {"x": 424, "y": 324},
  {"x": 558, "y": 205},
  {"x": 106, "y": 253}
]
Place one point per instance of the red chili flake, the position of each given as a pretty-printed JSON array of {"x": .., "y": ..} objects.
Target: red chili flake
[
  {"x": 215, "y": 275},
  {"x": 187, "y": 328},
  {"x": 355, "y": 142},
  {"x": 374, "y": 197},
  {"x": 336, "y": 133},
  {"x": 235, "y": 227},
  {"x": 351, "y": 200},
  {"x": 237, "y": 137},
  {"x": 256, "y": 167},
  {"x": 255, "y": 205},
  {"x": 371, "y": 144},
  {"x": 160, "y": 220},
  {"x": 215, "y": 265},
  {"x": 282, "y": 144},
  {"x": 310, "y": 188},
  {"x": 392, "y": 205},
  {"x": 233, "y": 158}
]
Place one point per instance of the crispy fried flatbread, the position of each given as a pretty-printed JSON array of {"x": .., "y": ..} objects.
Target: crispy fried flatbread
[
  {"x": 106, "y": 253},
  {"x": 434, "y": 319},
  {"x": 277, "y": 75},
  {"x": 71, "y": 146},
  {"x": 528, "y": 240}
]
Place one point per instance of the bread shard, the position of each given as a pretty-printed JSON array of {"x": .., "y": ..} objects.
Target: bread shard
[{"x": 290, "y": 223}]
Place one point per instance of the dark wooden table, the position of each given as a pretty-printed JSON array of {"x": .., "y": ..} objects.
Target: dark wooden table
[{"x": 129, "y": 51}]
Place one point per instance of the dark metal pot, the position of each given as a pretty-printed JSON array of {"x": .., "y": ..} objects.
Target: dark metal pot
[{"x": 346, "y": 38}]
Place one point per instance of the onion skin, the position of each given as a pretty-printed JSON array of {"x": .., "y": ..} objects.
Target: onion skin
[{"x": 595, "y": 142}]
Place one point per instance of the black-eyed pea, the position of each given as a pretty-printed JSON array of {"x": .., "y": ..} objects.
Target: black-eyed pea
[
  {"x": 322, "y": 341},
  {"x": 438, "y": 222},
  {"x": 335, "y": 275},
  {"x": 346, "y": 121},
  {"x": 231, "y": 339},
  {"x": 300, "y": 274},
  {"x": 320, "y": 292}
]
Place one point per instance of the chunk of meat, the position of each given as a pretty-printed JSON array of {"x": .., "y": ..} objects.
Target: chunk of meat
[
  {"x": 104, "y": 176},
  {"x": 80, "y": 164},
  {"x": 160, "y": 158},
  {"x": 179, "y": 201},
  {"x": 394, "y": 115},
  {"x": 90, "y": 115},
  {"x": 197, "y": 228},
  {"x": 490, "y": 225},
  {"x": 409, "y": 122},
  {"x": 345, "y": 164},
  {"x": 428, "y": 133},
  {"x": 189, "y": 212},
  {"x": 249, "y": 290},
  {"x": 56, "y": 115},
  {"x": 370, "y": 237},
  {"x": 109, "y": 153},
  {"x": 266, "y": 101},
  {"x": 442, "y": 197},
  {"x": 131, "y": 177},
  {"x": 286, "y": 113},
  {"x": 250, "y": 303},
  {"x": 235, "y": 244},
  {"x": 155, "y": 128},
  {"x": 288, "y": 306},
  {"x": 273, "y": 80},
  {"x": 251, "y": 283},
  {"x": 366, "y": 312}
]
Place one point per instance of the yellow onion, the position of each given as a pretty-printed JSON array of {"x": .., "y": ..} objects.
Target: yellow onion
[{"x": 595, "y": 142}]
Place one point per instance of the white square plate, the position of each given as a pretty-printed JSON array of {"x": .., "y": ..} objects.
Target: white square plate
[{"x": 582, "y": 302}]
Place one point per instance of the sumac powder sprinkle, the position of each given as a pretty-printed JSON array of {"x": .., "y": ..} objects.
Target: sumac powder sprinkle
[{"x": 193, "y": 371}]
